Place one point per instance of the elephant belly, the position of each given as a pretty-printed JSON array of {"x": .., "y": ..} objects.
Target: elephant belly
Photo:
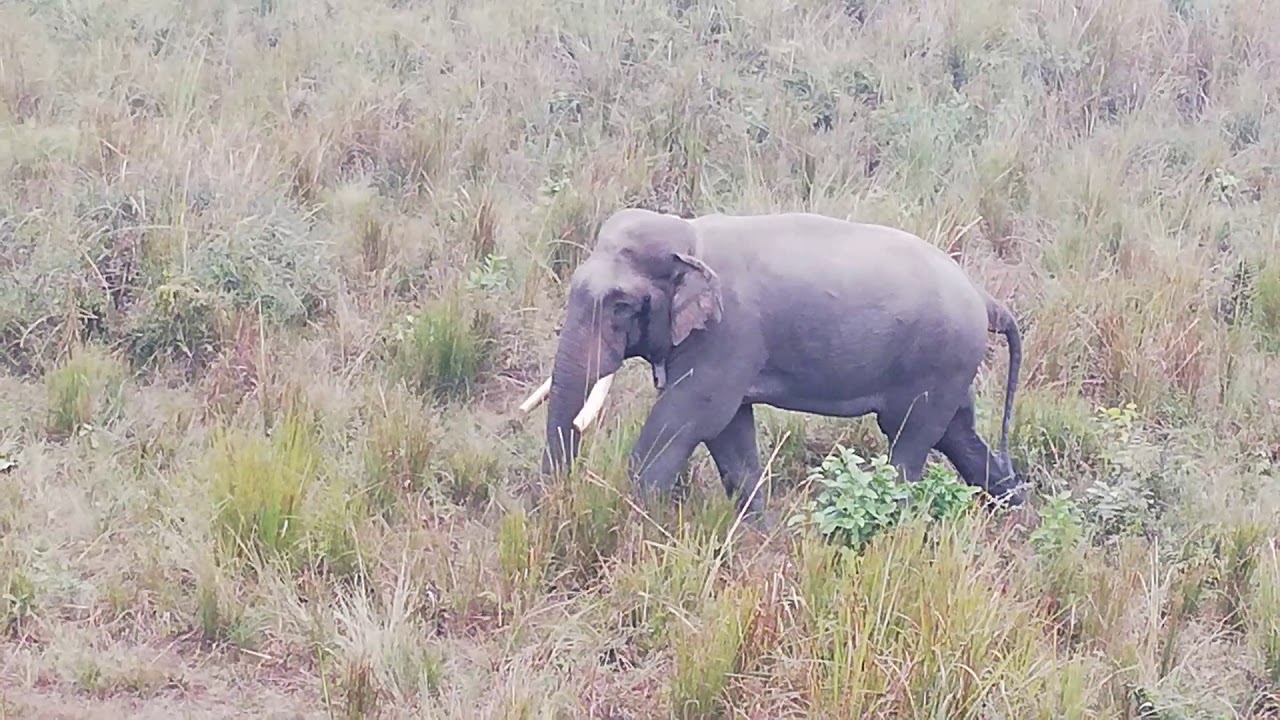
[
  {"x": 863, "y": 382},
  {"x": 778, "y": 393},
  {"x": 859, "y": 358}
]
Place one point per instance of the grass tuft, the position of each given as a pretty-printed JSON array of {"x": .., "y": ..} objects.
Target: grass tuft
[
  {"x": 441, "y": 351},
  {"x": 381, "y": 658},
  {"x": 259, "y": 485},
  {"x": 402, "y": 445},
  {"x": 708, "y": 654},
  {"x": 84, "y": 392}
]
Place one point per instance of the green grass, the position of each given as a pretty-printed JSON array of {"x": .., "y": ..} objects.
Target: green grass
[
  {"x": 260, "y": 485},
  {"x": 274, "y": 276},
  {"x": 440, "y": 351},
  {"x": 84, "y": 391}
]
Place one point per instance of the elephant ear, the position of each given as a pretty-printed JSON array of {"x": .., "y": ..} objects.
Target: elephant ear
[{"x": 697, "y": 300}]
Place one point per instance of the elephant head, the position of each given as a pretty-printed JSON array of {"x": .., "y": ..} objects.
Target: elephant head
[{"x": 640, "y": 293}]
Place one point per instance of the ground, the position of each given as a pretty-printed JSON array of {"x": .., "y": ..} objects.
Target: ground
[{"x": 275, "y": 276}]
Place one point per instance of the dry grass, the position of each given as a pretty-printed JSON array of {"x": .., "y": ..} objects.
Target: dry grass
[{"x": 273, "y": 277}]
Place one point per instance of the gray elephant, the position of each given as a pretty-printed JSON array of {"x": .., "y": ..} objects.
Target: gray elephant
[{"x": 797, "y": 311}]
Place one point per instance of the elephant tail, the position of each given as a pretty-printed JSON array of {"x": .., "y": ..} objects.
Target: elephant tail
[{"x": 1001, "y": 320}]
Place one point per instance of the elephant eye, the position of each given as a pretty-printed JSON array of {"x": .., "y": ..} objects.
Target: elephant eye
[{"x": 622, "y": 306}]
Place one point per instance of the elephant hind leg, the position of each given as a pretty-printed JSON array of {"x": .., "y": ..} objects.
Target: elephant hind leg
[
  {"x": 737, "y": 457},
  {"x": 914, "y": 426},
  {"x": 970, "y": 455}
]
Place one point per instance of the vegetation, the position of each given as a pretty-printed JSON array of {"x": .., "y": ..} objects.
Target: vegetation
[
  {"x": 857, "y": 505},
  {"x": 274, "y": 277}
]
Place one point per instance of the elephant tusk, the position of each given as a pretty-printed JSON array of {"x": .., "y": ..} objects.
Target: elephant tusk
[
  {"x": 595, "y": 402},
  {"x": 537, "y": 397}
]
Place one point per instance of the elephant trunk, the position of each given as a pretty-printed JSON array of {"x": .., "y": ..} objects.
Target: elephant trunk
[{"x": 582, "y": 359}]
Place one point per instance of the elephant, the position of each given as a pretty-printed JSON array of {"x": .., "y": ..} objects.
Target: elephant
[{"x": 794, "y": 310}]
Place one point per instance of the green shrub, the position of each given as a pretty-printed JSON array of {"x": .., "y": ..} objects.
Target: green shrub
[
  {"x": 493, "y": 274},
  {"x": 177, "y": 319},
  {"x": 272, "y": 261},
  {"x": 1132, "y": 492},
  {"x": 856, "y": 504},
  {"x": 1061, "y": 525},
  {"x": 941, "y": 494}
]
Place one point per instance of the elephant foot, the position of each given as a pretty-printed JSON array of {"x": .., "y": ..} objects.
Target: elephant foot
[
  {"x": 761, "y": 521},
  {"x": 756, "y": 519},
  {"x": 1009, "y": 494},
  {"x": 659, "y": 502}
]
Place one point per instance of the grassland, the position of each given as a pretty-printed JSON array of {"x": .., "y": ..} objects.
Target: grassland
[{"x": 274, "y": 275}]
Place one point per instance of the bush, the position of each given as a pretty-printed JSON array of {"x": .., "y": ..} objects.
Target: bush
[
  {"x": 176, "y": 320},
  {"x": 272, "y": 261},
  {"x": 856, "y": 504},
  {"x": 1061, "y": 526}
]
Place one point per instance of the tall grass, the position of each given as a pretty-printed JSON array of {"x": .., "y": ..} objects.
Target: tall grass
[
  {"x": 274, "y": 275},
  {"x": 259, "y": 486}
]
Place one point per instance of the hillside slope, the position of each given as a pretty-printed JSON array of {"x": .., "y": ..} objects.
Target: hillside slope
[{"x": 274, "y": 277}]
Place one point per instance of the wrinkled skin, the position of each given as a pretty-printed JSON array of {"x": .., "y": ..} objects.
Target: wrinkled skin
[{"x": 797, "y": 311}]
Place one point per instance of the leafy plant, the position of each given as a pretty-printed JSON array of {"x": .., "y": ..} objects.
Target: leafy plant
[
  {"x": 493, "y": 274},
  {"x": 1061, "y": 525},
  {"x": 1119, "y": 506},
  {"x": 942, "y": 494},
  {"x": 856, "y": 504},
  {"x": 1128, "y": 499},
  {"x": 1120, "y": 419}
]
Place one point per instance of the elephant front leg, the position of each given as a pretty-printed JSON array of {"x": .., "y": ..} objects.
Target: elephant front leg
[
  {"x": 737, "y": 457},
  {"x": 683, "y": 416},
  {"x": 660, "y": 453}
]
